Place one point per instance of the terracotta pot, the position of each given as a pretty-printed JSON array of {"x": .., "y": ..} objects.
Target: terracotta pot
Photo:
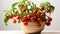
[{"x": 32, "y": 28}]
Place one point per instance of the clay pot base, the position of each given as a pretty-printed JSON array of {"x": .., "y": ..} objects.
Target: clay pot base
[{"x": 34, "y": 33}]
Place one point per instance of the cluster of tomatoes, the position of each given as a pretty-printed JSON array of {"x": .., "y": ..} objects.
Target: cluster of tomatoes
[
  {"x": 33, "y": 17},
  {"x": 13, "y": 16}
]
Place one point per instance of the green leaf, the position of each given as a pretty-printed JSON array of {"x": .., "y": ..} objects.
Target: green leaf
[
  {"x": 52, "y": 9},
  {"x": 21, "y": 14},
  {"x": 6, "y": 20},
  {"x": 24, "y": 1},
  {"x": 13, "y": 6},
  {"x": 32, "y": 8},
  {"x": 47, "y": 3},
  {"x": 16, "y": 13},
  {"x": 18, "y": 21},
  {"x": 8, "y": 11},
  {"x": 42, "y": 4},
  {"x": 28, "y": 3},
  {"x": 27, "y": 11}
]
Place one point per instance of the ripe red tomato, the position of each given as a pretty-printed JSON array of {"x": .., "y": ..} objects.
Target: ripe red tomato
[
  {"x": 25, "y": 16},
  {"x": 29, "y": 16},
  {"x": 49, "y": 19},
  {"x": 11, "y": 16},
  {"x": 25, "y": 23},
  {"x": 39, "y": 19},
  {"x": 41, "y": 8},
  {"x": 48, "y": 11},
  {"x": 14, "y": 21},
  {"x": 18, "y": 17},
  {"x": 23, "y": 10},
  {"x": 38, "y": 25},
  {"x": 48, "y": 23},
  {"x": 32, "y": 19},
  {"x": 35, "y": 11},
  {"x": 42, "y": 15},
  {"x": 23, "y": 20}
]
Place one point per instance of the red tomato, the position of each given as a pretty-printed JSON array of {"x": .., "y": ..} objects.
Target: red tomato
[
  {"x": 11, "y": 16},
  {"x": 18, "y": 17},
  {"x": 42, "y": 15},
  {"x": 38, "y": 25},
  {"x": 42, "y": 8},
  {"x": 39, "y": 19},
  {"x": 47, "y": 23},
  {"x": 14, "y": 21},
  {"x": 29, "y": 16},
  {"x": 32, "y": 19},
  {"x": 35, "y": 11},
  {"x": 25, "y": 23},
  {"x": 23, "y": 10},
  {"x": 49, "y": 19},
  {"x": 25, "y": 16},
  {"x": 48, "y": 11},
  {"x": 23, "y": 20}
]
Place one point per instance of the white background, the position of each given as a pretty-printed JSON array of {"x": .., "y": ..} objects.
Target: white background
[{"x": 6, "y": 4}]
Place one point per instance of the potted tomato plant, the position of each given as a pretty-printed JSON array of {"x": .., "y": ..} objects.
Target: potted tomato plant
[{"x": 32, "y": 18}]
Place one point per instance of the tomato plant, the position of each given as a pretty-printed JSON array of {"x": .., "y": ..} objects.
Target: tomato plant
[{"x": 32, "y": 14}]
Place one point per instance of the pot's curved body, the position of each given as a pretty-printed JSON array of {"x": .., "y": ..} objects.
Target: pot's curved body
[{"x": 32, "y": 28}]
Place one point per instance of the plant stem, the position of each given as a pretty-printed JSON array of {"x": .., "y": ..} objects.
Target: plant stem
[{"x": 47, "y": 16}]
